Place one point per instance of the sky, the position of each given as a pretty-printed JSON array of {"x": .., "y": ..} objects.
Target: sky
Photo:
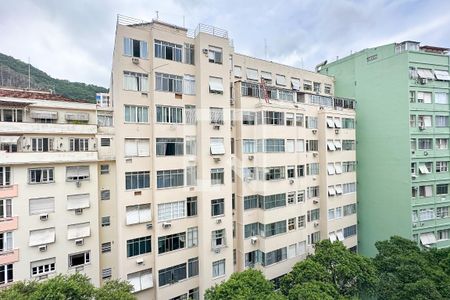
[{"x": 74, "y": 39}]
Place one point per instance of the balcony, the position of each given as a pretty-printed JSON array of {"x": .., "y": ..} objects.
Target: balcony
[
  {"x": 9, "y": 191},
  {"x": 9, "y": 257},
  {"x": 47, "y": 128},
  {"x": 9, "y": 224},
  {"x": 12, "y": 158}
]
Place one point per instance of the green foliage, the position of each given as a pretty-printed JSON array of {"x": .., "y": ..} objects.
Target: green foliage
[
  {"x": 76, "y": 286},
  {"x": 407, "y": 272},
  {"x": 247, "y": 285},
  {"x": 313, "y": 290},
  {"x": 40, "y": 79}
]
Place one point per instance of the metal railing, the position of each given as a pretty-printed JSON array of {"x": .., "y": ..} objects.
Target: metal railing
[
  {"x": 215, "y": 31},
  {"x": 130, "y": 21}
]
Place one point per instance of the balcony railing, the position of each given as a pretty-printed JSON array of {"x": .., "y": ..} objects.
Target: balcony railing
[
  {"x": 9, "y": 256},
  {"x": 9, "y": 224},
  {"x": 9, "y": 191}
]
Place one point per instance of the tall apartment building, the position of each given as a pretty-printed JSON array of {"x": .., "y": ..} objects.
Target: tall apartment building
[
  {"x": 402, "y": 133},
  {"x": 213, "y": 175},
  {"x": 49, "y": 178}
]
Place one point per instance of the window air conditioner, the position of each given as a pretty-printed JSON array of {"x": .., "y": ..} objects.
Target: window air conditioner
[
  {"x": 315, "y": 201},
  {"x": 315, "y": 154},
  {"x": 42, "y": 248},
  {"x": 166, "y": 225},
  {"x": 336, "y": 131},
  {"x": 140, "y": 261},
  {"x": 291, "y": 181},
  {"x": 253, "y": 240},
  {"x": 216, "y": 127},
  {"x": 205, "y": 51},
  {"x": 149, "y": 226},
  {"x": 218, "y": 221},
  {"x": 79, "y": 242},
  {"x": 216, "y": 250},
  {"x": 216, "y": 159},
  {"x": 316, "y": 224},
  {"x": 43, "y": 217},
  {"x": 135, "y": 60},
  {"x": 78, "y": 211},
  {"x": 251, "y": 157},
  {"x": 314, "y": 131},
  {"x": 423, "y": 81},
  {"x": 78, "y": 183}
]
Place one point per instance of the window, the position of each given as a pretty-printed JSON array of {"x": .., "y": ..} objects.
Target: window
[
  {"x": 137, "y": 147},
  {"x": 191, "y": 145},
  {"x": 105, "y": 142},
  {"x": 253, "y": 229},
  {"x": 41, "y": 175},
  {"x": 441, "y": 143},
  {"x": 291, "y": 198},
  {"x": 216, "y": 115},
  {"x": 237, "y": 71},
  {"x": 299, "y": 120},
  {"x": 106, "y": 273},
  {"x": 141, "y": 280},
  {"x": 312, "y": 169},
  {"x": 290, "y": 171},
  {"x": 348, "y": 166},
  {"x": 412, "y": 121},
  {"x": 441, "y": 121},
  {"x": 43, "y": 145},
  {"x": 172, "y": 275},
  {"x": 307, "y": 85},
  {"x": 191, "y": 175},
  {"x": 312, "y": 145},
  {"x": 169, "y": 114},
  {"x": 43, "y": 267},
  {"x": 273, "y": 118},
  {"x": 139, "y": 246},
  {"x": 136, "y": 214},
  {"x": 218, "y": 239},
  {"x": 215, "y": 55},
  {"x": 280, "y": 80},
  {"x": 327, "y": 89},
  {"x": 271, "y": 145},
  {"x": 79, "y": 259},
  {"x": 274, "y": 173},
  {"x": 189, "y": 85},
  {"x": 291, "y": 224},
  {"x": 5, "y": 208},
  {"x": 137, "y": 82},
  {"x": 171, "y": 242},
  {"x": 349, "y": 209},
  {"x": 425, "y": 190},
  {"x": 441, "y": 189},
  {"x": 348, "y": 145},
  {"x": 190, "y": 112},
  {"x": 275, "y": 256},
  {"x": 273, "y": 201},
  {"x": 426, "y": 214},
  {"x": 192, "y": 237},
  {"x": 349, "y": 231},
  {"x": 331, "y": 214},
  {"x": 443, "y": 234},
  {"x": 134, "y": 48},
  {"x": 136, "y": 114},
  {"x": 442, "y": 212},
  {"x": 217, "y": 176},
  {"x": 424, "y": 121},
  {"x": 313, "y": 192},
  {"x": 105, "y": 120},
  {"x": 441, "y": 166},
  {"x": 217, "y": 207},
  {"x": 349, "y": 188},
  {"x": 77, "y": 144},
  {"x": 218, "y": 268},
  {"x": 170, "y": 178},
  {"x": 314, "y": 238},
  {"x": 171, "y": 211},
  {"x": 425, "y": 144},
  {"x": 301, "y": 196},
  {"x": 348, "y": 123},
  {"x": 290, "y": 146},
  {"x": 191, "y": 206},
  {"x": 313, "y": 215},
  {"x": 106, "y": 221},
  {"x": 217, "y": 146},
  {"x": 248, "y": 146},
  {"x": 251, "y": 201},
  {"x": 169, "y": 146},
  {"x": 169, "y": 51},
  {"x": 301, "y": 221},
  {"x": 250, "y": 89},
  {"x": 11, "y": 115},
  {"x": 77, "y": 201},
  {"x": 106, "y": 247},
  {"x": 440, "y": 98},
  {"x": 424, "y": 97},
  {"x": 215, "y": 85},
  {"x": 248, "y": 117},
  {"x": 275, "y": 228},
  {"x": 6, "y": 274},
  {"x": 104, "y": 169},
  {"x": 137, "y": 180},
  {"x": 169, "y": 83},
  {"x": 193, "y": 267},
  {"x": 6, "y": 241}
]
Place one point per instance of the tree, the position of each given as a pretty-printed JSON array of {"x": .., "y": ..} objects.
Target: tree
[
  {"x": 407, "y": 272},
  {"x": 313, "y": 290},
  {"x": 76, "y": 286},
  {"x": 247, "y": 285}
]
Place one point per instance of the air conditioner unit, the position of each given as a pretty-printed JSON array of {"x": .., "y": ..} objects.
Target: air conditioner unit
[
  {"x": 414, "y": 176},
  {"x": 421, "y": 127},
  {"x": 218, "y": 221},
  {"x": 253, "y": 240},
  {"x": 291, "y": 181},
  {"x": 414, "y": 225},
  {"x": 231, "y": 101},
  {"x": 216, "y": 250},
  {"x": 216, "y": 159},
  {"x": 314, "y": 131},
  {"x": 315, "y": 201},
  {"x": 205, "y": 51},
  {"x": 216, "y": 127},
  {"x": 251, "y": 157},
  {"x": 42, "y": 248},
  {"x": 149, "y": 226},
  {"x": 166, "y": 225},
  {"x": 79, "y": 242},
  {"x": 78, "y": 183},
  {"x": 423, "y": 80},
  {"x": 135, "y": 60},
  {"x": 140, "y": 261},
  {"x": 316, "y": 224},
  {"x": 315, "y": 154},
  {"x": 336, "y": 131},
  {"x": 43, "y": 217},
  {"x": 78, "y": 211}
]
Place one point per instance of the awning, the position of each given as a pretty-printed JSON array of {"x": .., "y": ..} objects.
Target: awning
[
  {"x": 330, "y": 123},
  {"x": 338, "y": 189},
  {"x": 330, "y": 146},
  {"x": 77, "y": 231},
  {"x": 442, "y": 75},
  {"x": 333, "y": 237},
  {"x": 331, "y": 191},
  {"x": 281, "y": 80},
  {"x": 266, "y": 75},
  {"x": 78, "y": 201},
  {"x": 40, "y": 114},
  {"x": 237, "y": 71},
  {"x": 425, "y": 73},
  {"x": 428, "y": 238},
  {"x": 338, "y": 144},
  {"x": 340, "y": 235},
  {"x": 9, "y": 139},
  {"x": 423, "y": 169},
  {"x": 216, "y": 84},
  {"x": 338, "y": 168},
  {"x": 217, "y": 147},
  {"x": 252, "y": 74},
  {"x": 77, "y": 117},
  {"x": 337, "y": 123},
  {"x": 331, "y": 169},
  {"x": 295, "y": 84},
  {"x": 42, "y": 237}
]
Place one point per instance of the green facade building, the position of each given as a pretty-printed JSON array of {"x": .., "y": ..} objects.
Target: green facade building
[{"x": 402, "y": 141}]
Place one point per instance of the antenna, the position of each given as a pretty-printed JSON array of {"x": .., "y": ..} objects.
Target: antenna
[
  {"x": 29, "y": 74},
  {"x": 157, "y": 15},
  {"x": 265, "y": 48},
  {"x": 184, "y": 20}
]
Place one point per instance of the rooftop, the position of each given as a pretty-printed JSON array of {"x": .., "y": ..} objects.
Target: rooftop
[{"x": 38, "y": 95}]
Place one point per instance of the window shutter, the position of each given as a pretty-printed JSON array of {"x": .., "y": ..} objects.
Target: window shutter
[
  {"x": 78, "y": 201},
  {"x": 42, "y": 205},
  {"x": 77, "y": 231},
  {"x": 42, "y": 237}
]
